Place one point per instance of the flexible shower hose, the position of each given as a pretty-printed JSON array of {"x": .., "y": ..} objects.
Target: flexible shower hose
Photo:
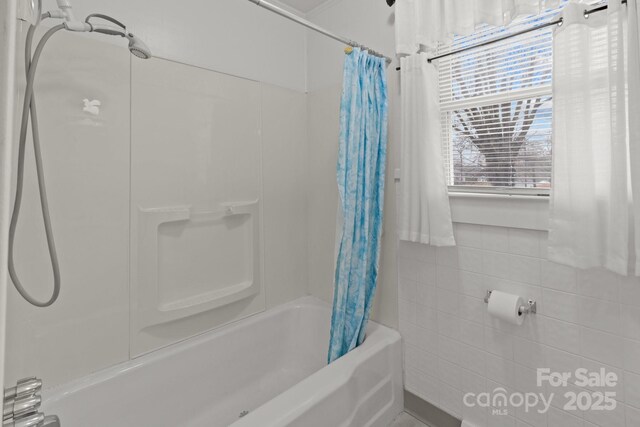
[{"x": 29, "y": 108}]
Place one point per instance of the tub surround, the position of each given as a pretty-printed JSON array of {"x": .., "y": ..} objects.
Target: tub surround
[
  {"x": 197, "y": 257},
  {"x": 8, "y": 107},
  {"x": 90, "y": 176}
]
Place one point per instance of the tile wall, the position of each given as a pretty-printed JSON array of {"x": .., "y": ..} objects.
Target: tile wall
[{"x": 587, "y": 319}]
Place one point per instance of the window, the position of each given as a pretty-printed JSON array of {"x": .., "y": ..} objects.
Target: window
[{"x": 496, "y": 109}]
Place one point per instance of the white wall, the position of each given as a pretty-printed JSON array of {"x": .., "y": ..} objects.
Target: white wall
[
  {"x": 231, "y": 36},
  {"x": 371, "y": 23},
  {"x": 87, "y": 161},
  {"x": 7, "y": 109}
]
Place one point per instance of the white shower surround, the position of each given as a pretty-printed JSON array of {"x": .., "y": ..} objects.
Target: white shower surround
[
  {"x": 89, "y": 329},
  {"x": 272, "y": 365},
  {"x": 7, "y": 108}
]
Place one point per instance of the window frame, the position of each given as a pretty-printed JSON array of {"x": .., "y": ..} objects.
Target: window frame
[{"x": 541, "y": 90}]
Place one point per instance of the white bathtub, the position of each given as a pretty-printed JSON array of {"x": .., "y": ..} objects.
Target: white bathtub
[{"x": 271, "y": 365}]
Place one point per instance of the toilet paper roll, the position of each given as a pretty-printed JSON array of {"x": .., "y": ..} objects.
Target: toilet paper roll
[{"x": 506, "y": 307}]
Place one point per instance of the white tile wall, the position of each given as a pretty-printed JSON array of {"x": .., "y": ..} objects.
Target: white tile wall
[{"x": 587, "y": 319}]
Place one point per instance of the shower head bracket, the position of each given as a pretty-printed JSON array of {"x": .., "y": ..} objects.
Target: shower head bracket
[{"x": 65, "y": 11}]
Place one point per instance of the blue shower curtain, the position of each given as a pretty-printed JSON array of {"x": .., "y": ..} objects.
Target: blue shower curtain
[{"x": 360, "y": 174}]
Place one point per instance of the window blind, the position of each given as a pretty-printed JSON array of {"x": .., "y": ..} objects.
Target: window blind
[{"x": 496, "y": 108}]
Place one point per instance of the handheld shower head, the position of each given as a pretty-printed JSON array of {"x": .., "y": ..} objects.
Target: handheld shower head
[{"x": 137, "y": 47}]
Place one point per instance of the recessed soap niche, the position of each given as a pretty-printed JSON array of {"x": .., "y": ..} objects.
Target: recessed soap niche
[{"x": 194, "y": 270}]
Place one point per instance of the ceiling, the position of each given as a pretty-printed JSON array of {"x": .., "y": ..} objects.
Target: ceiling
[{"x": 304, "y": 6}]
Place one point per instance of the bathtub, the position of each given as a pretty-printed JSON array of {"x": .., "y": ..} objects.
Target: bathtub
[{"x": 267, "y": 370}]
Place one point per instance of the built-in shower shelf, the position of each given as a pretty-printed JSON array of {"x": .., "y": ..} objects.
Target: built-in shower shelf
[
  {"x": 193, "y": 261},
  {"x": 228, "y": 294}
]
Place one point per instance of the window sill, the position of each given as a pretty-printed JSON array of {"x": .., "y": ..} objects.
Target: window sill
[{"x": 501, "y": 210}]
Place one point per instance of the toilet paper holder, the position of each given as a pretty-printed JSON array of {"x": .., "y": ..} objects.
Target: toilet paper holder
[{"x": 531, "y": 307}]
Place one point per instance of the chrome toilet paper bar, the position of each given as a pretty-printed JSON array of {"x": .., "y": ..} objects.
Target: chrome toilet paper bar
[{"x": 530, "y": 308}]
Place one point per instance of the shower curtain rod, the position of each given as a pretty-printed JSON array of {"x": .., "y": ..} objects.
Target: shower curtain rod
[
  {"x": 558, "y": 21},
  {"x": 295, "y": 18}
]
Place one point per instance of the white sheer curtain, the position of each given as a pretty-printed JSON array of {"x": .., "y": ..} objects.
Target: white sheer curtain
[
  {"x": 425, "y": 215},
  {"x": 424, "y": 23},
  {"x": 596, "y": 164}
]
